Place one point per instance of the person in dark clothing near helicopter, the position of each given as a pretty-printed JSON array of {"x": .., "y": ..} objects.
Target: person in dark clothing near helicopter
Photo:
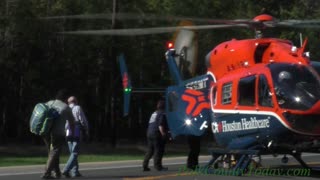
[
  {"x": 194, "y": 151},
  {"x": 157, "y": 135}
]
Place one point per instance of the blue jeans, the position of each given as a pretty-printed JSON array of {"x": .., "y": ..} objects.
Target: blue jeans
[{"x": 72, "y": 163}]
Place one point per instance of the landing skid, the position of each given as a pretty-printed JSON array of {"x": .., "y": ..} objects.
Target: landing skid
[
  {"x": 243, "y": 161},
  {"x": 297, "y": 156},
  {"x": 304, "y": 165},
  {"x": 244, "y": 158}
]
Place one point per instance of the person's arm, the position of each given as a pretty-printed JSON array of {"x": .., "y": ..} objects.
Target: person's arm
[
  {"x": 162, "y": 126},
  {"x": 70, "y": 119},
  {"x": 83, "y": 120},
  {"x": 162, "y": 131}
]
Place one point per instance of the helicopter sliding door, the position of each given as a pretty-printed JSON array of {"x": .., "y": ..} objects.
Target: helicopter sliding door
[
  {"x": 246, "y": 91},
  {"x": 239, "y": 113}
]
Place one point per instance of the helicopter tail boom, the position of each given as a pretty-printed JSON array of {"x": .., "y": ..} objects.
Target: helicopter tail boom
[{"x": 126, "y": 83}]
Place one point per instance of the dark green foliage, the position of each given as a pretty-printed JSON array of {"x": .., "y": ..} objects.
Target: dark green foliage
[{"x": 32, "y": 52}]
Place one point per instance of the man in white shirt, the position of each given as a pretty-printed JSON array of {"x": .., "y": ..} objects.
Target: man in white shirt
[{"x": 73, "y": 139}]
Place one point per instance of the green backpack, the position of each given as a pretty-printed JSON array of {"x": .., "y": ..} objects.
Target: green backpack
[{"x": 42, "y": 119}]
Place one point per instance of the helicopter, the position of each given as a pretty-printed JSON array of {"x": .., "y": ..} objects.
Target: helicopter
[{"x": 259, "y": 96}]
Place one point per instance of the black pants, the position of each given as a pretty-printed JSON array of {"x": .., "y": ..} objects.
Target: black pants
[
  {"x": 194, "y": 151},
  {"x": 156, "y": 146},
  {"x": 54, "y": 145}
]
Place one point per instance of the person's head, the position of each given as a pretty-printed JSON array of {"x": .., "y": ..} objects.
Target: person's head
[
  {"x": 284, "y": 76},
  {"x": 72, "y": 100},
  {"x": 62, "y": 95},
  {"x": 160, "y": 105}
]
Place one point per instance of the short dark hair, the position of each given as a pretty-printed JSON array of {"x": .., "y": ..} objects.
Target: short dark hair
[
  {"x": 62, "y": 95},
  {"x": 161, "y": 105}
]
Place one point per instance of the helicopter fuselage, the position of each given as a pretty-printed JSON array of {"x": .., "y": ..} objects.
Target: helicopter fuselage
[
  {"x": 245, "y": 98},
  {"x": 259, "y": 96},
  {"x": 249, "y": 110}
]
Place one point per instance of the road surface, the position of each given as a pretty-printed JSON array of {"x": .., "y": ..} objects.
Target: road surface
[{"x": 132, "y": 170}]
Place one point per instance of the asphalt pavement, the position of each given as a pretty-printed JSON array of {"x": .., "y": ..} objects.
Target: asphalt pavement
[{"x": 132, "y": 170}]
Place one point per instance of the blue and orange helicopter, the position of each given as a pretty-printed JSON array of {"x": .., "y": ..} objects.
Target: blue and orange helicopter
[{"x": 259, "y": 96}]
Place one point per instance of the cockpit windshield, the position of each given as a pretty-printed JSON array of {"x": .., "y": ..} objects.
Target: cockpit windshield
[{"x": 296, "y": 86}]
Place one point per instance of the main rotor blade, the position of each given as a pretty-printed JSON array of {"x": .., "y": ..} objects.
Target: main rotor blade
[
  {"x": 146, "y": 31},
  {"x": 127, "y": 16},
  {"x": 80, "y": 16},
  {"x": 275, "y": 23},
  {"x": 300, "y": 23}
]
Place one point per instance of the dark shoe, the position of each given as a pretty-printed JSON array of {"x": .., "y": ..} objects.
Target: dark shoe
[
  {"x": 162, "y": 169},
  {"x": 146, "y": 169},
  {"x": 66, "y": 174},
  {"x": 47, "y": 176},
  {"x": 77, "y": 175}
]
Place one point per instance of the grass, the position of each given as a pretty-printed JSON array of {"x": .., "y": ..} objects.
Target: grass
[
  {"x": 15, "y": 155},
  {"x": 26, "y": 154},
  {"x": 40, "y": 160}
]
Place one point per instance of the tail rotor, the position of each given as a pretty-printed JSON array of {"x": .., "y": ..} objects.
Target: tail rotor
[{"x": 185, "y": 44}]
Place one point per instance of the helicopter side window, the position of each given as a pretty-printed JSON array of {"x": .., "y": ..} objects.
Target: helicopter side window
[
  {"x": 213, "y": 95},
  {"x": 296, "y": 87},
  {"x": 265, "y": 98},
  {"x": 316, "y": 66},
  {"x": 226, "y": 93},
  {"x": 246, "y": 90}
]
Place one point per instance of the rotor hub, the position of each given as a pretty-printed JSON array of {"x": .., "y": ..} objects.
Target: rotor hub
[{"x": 263, "y": 18}]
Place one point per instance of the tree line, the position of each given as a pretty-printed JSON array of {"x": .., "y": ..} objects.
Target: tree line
[{"x": 36, "y": 60}]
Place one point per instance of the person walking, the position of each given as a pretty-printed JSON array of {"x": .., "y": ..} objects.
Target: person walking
[
  {"x": 55, "y": 139},
  {"x": 157, "y": 134},
  {"x": 73, "y": 139}
]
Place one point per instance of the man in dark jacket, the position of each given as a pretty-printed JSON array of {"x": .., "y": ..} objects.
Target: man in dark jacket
[
  {"x": 194, "y": 151},
  {"x": 157, "y": 135}
]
